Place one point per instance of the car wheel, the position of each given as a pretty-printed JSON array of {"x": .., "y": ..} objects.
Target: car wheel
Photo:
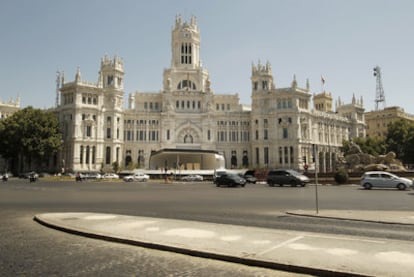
[
  {"x": 401, "y": 187},
  {"x": 270, "y": 183},
  {"x": 293, "y": 183},
  {"x": 367, "y": 186}
]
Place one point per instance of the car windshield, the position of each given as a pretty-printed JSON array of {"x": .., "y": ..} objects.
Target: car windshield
[{"x": 294, "y": 173}]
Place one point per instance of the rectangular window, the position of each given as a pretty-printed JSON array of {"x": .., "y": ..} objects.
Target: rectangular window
[
  {"x": 285, "y": 133},
  {"x": 88, "y": 131},
  {"x": 108, "y": 155},
  {"x": 168, "y": 134},
  {"x": 81, "y": 155},
  {"x": 286, "y": 155},
  {"x": 266, "y": 155},
  {"x": 93, "y": 154},
  {"x": 87, "y": 154},
  {"x": 108, "y": 133}
]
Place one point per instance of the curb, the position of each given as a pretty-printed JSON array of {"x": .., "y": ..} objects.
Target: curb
[
  {"x": 201, "y": 254},
  {"x": 350, "y": 219}
]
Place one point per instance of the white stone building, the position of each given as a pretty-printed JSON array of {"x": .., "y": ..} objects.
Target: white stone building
[{"x": 187, "y": 126}]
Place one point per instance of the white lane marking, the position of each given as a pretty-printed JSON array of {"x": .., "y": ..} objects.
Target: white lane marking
[
  {"x": 99, "y": 217},
  {"x": 302, "y": 246},
  {"x": 395, "y": 257},
  {"x": 332, "y": 251},
  {"x": 152, "y": 229},
  {"x": 190, "y": 233},
  {"x": 341, "y": 252},
  {"x": 230, "y": 238},
  {"x": 261, "y": 241},
  {"x": 281, "y": 244},
  {"x": 344, "y": 238}
]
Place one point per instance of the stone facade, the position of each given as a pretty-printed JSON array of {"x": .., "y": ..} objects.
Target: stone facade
[{"x": 281, "y": 128}]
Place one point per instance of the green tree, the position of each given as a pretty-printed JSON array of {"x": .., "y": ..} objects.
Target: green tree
[
  {"x": 400, "y": 139},
  {"x": 30, "y": 134},
  {"x": 116, "y": 167}
]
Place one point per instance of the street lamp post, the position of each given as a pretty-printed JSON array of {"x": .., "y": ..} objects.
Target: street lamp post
[{"x": 315, "y": 155}]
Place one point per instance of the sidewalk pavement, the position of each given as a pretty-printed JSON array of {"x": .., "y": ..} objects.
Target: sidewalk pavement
[{"x": 300, "y": 252}]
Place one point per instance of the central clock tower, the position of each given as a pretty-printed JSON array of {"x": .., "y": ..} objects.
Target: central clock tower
[{"x": 186, "y": 72}]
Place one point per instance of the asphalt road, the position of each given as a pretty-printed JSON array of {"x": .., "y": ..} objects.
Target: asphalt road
[{"x": 29, "y": 249}]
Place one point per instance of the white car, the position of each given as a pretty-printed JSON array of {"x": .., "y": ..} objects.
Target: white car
[
  {"x": 194, "y": 177},
  {"x": 140, "y": 177},
  {"x": 382, "y": 179},
  {"x": 110, "y": 176}
]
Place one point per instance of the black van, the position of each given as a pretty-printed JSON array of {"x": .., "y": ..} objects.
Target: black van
[{"x": 286, "y": 177}]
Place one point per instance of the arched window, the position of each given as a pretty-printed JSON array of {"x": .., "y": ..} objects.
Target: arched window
[
  {"x": 128, "y": 160},
  {"x": 186, "y": 84}
]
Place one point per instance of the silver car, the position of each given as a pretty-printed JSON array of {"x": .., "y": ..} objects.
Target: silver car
[
  {"x": 382, "y": 179},
  {"x": 193, "y": 177},
  {"x": 140, "y": 177}
]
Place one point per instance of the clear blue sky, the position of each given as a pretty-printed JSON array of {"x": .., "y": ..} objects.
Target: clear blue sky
[{"x": 341, "y": 40}]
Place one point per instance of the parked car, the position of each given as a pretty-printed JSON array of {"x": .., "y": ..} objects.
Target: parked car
[
  {"x": 139, "y": 176},
  {"x": 230, "y": 180},
  {"x": 382, "y": 179},
  {"x": 192, "y": 178},
  {"x": 286, "y": 177},
  {"x": 5, "y": 177},
  {"x": 249, "y": 176},
  {"x": 110, "y": 176}
]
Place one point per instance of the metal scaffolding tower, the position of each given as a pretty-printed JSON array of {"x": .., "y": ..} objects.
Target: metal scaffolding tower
[
  {"x": 58, "y": 76},
  {"x": 380, "y": 96}
]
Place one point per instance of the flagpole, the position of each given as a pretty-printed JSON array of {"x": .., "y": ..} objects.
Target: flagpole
[{"x": 322, "y": 84}]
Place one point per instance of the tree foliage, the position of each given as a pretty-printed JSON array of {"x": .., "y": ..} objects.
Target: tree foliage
[
  {"x": 400, "y": 139},
  {"x": 30, "y": 133}
]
